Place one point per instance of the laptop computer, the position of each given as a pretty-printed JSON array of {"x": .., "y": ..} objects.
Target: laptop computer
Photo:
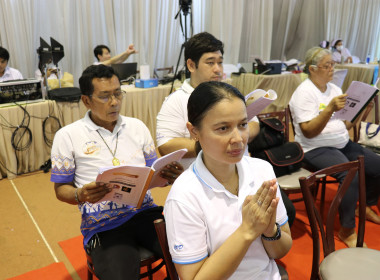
[{"x": 125, "y": 70}]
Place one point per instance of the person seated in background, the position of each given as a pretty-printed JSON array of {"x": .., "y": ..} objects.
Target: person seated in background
[
  {"x": 325, "y": 44},
  {"x": 204, "y": 60},
  {"x": 224, "y": 215},
  {"x": 103, "y": 55},
  {"x": 326, "y": 141},
  {"x": 7, "y": 73},
  {"x": 340, "y": 53},
  {"x": 112, "y": 232},
  {"x": 51, "y": 71}
]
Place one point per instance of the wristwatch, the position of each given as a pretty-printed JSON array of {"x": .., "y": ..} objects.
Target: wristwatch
[{"x": 277, "y": 236}]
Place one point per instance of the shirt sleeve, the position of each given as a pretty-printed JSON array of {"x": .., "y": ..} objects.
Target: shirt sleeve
[
  {"x": 186, "y": 232},
  {"x": 62, "y": 159},
  {"x": 171, "y": 120},
  {"x": 149, "y": 148},
  {"x": 303, "y": 106}
]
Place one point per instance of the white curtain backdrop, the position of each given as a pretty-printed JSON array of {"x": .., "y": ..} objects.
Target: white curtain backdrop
[
  {"x": 357, "y": 23},
  {"x": 270, "y": 29}
]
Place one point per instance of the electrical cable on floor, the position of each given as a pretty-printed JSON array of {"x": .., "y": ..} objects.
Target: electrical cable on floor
[{"x": 22, "y": 138}]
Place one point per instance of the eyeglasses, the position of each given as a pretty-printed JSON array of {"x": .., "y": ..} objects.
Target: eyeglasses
[
  {"x": 328, "y": 65},
  {"x": 107, "y": 97}
]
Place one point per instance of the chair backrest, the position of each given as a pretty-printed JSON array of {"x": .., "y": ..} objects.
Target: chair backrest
[
  {"x": 327, "y": 234},
  {"x": 282, "y": 116},
  {"x": 339, "y": 76},
  {"x": 160, "y": 227}
]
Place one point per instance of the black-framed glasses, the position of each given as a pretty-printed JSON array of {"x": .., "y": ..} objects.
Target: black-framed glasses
[{"x": 105, "y": 98}]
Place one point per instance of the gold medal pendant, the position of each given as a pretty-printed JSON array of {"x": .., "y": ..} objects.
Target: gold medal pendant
[{"x": 115, "y": 162}]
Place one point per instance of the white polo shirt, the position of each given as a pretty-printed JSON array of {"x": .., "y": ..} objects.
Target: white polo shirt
[
  {"x": 305, "y": 104},
  {"x": 11, "y": 74},
  {"x": 201, "y": 214},
  {"x": 172, "y": 118},
  {"x": 77, "y": 154}
]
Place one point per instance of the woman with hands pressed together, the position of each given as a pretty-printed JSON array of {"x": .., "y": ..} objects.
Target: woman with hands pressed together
[
  {"x": 224, "y": 215},
  {"x": 326, "y": 141}
]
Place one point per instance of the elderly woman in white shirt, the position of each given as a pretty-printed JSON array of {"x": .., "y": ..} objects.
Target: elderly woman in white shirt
[{"x": 326, "y": 141}]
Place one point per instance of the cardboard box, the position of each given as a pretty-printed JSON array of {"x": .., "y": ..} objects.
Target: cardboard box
[{"x": 139, "y": 83}]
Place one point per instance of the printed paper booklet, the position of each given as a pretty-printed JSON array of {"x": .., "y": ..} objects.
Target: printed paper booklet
[
  {"x": 257, "y": 100},
  {"x": 131, "y": 182},
  {"x": 358, "y": 96}
]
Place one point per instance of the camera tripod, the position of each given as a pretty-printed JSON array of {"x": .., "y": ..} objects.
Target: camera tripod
[{"x": 185, "y": 7}]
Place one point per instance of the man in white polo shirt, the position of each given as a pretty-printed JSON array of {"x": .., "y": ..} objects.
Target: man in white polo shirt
[
  {"x": 112, "y": 232},
  {"x": 7, "y": 73},
  {"x": 204, "y": 60}
]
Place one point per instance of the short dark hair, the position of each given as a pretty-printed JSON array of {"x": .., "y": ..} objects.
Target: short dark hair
[
  {"x": 204, "y": 97},
  {"x": 92, "y": 72},
  {"x": 99, "y": 50},
  {"x": 201, "y": 43},
  {"x": 4, "y": 54}
]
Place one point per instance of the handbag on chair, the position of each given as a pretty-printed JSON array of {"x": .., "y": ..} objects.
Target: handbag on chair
[{"x": 370, "y": 136}]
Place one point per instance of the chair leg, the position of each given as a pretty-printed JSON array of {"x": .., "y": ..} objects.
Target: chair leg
[
  {"x": 89, "y": 275},
  {"x": 323, "y": 193},
  {"x": 150, "y": 274}
]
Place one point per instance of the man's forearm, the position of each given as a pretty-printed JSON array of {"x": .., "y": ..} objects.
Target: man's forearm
[{"x": 177, "y": 144}]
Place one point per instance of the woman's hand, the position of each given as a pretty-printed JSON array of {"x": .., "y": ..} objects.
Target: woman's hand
[
  {"x": 51, "y": 71},
  {"x": 172, "y": 171},
  {"x": 259, "y": 211},
  {"x": 93, "y": 192},
  {"x": 338, "y": 102}
]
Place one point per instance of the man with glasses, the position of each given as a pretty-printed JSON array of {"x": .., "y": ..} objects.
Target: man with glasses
[{"x": 112, "y": 232}]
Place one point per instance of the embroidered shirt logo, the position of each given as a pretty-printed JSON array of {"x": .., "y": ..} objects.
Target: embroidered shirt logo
[
  {"x": 91, "y": 148},
  {"x": 178, "y": 247}
]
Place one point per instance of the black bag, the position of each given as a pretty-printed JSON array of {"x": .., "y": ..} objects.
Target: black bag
[
  {"x": 66, "y": 94},
  {"x": 285, "y": 159},
  {"x": 272, "y": 133}
]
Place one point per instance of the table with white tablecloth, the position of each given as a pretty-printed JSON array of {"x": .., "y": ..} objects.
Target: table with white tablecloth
[
  {"x": 143, "y": 104},
  {"x": 284, "y": 85}
]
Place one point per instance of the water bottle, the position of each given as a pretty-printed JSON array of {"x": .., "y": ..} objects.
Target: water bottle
[{"x": 367, "y": 60}]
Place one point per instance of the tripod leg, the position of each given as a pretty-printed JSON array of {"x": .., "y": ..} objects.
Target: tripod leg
[{"x": 176, "y": 68}]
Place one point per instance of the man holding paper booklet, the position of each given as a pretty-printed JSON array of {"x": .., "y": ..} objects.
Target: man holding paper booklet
[
  {"x": 322, "y": 115},
  {"x": 112, "y": 230}
]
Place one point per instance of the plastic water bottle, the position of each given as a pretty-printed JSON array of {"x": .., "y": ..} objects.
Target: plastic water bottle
[{"x": 367, "y": 60}]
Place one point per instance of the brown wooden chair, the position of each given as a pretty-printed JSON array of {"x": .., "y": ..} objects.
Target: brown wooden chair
[
  {"x": 160, "y": 226},
  {"x": 348, "y": 263},
  {"x": 322, "y": 182},
  {"x": 147, "y": 260}
]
